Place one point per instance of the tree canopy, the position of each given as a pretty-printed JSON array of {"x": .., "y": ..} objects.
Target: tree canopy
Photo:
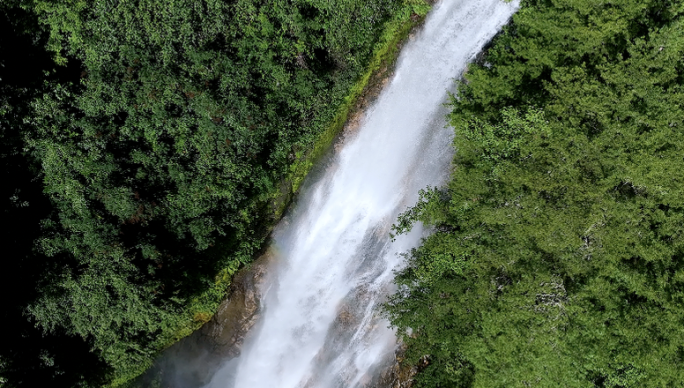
[
  {"x": 149, "y": 139},
  {"x": 558, "y": 252}
]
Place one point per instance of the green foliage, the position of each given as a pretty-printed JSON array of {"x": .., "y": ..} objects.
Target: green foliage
[
  {"x": 491, "y": 145},
  {"x": 558, "y": 257},
  {"x": 385, "y": 51},
  {"x": 160, "y": 152},
  {"x": 28, "y": 357}
]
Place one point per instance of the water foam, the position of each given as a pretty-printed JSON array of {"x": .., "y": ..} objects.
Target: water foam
[{"x": 319, "y": 326}]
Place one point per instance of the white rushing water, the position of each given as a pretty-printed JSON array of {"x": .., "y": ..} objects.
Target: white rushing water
[{"x": 319, "y": 325}]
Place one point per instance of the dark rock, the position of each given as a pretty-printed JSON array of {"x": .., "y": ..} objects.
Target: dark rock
[
  {"x": 396, "y": 374},
  {"x": 192, "y": 361}
]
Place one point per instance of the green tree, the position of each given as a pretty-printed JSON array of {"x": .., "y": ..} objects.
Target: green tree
[
  {"x": 156, "y": 134},
  {"x": 28, "y": 356},
  {"x": 558, "y": 253}
]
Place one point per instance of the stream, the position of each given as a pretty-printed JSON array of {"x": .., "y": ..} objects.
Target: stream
[{"x": 333, "y": 258}]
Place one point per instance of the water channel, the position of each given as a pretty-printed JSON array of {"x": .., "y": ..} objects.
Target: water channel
[{"x": 334, "y": 260}]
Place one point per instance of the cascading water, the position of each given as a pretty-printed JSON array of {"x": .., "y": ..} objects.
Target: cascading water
[{"x": 319, "y": 325}]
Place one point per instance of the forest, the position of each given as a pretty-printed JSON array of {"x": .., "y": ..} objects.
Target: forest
[
  {"x": 557, "y": 258},
  {"x": 147, "y": 147}
]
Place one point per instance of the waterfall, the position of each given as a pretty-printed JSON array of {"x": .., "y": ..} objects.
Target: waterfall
[{"x": 319, "y": 325}]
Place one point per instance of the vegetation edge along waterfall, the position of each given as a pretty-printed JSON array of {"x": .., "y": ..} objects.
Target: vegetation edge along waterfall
[
  {"x": 148, "y": 146},
  {"x": 144, "y": 146},
  {"x": 558, "y": 253}
]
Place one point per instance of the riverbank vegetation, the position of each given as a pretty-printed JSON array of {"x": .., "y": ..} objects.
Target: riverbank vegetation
[
  {"x": 144, "y": 149},
  {"x": 558, "y": 252}
]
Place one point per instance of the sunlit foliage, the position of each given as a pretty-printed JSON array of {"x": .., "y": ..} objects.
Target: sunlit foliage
[
  {"x": 158, "y": 156},
  {"x": 558, "y": 255}
]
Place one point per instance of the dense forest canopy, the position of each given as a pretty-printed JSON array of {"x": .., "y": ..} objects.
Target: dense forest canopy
[
  {"x": 558, "y": 252},
  {"x": 143, "y": 143}
]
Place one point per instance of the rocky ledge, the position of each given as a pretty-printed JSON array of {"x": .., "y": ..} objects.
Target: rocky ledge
[{"x": 193, "y": 360}]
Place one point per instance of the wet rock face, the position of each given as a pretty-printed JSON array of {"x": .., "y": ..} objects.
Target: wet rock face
[
  {"x": 193, "y": 360},
  {"x": 396, "y": 374},
  {"x": 225, "y": 332}
]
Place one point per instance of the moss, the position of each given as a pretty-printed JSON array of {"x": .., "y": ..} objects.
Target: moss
[
  {"x": 385, "y": 54},
  {"x": 202, "y": 308}
]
